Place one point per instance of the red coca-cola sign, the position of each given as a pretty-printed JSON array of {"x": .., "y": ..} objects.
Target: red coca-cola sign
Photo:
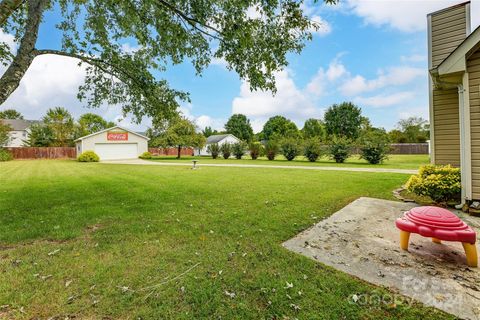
[{"x": 117, "y": 136}]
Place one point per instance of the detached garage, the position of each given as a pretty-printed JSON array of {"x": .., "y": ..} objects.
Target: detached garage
[{"x": 115, "y": 143}]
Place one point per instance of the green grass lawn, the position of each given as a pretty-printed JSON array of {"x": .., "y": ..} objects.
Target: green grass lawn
[
  {"x": 151, "y": 242},
  {"x": 396, "y": 161}
]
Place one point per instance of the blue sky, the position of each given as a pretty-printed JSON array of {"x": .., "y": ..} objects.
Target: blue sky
[{"x": 373, "y": 53}]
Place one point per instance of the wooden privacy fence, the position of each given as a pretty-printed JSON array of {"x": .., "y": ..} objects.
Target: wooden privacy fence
[
  {"x": 170, "y": 151},
  {"x": 403, "y": 148},
  {"x": 43, "y": 152}
]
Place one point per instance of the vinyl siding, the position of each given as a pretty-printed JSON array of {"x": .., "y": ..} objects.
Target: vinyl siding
[
  {"x": 449, "y": 29},
  {"x": 447, "y": 127},
  {"x": 473, "y": 69}
]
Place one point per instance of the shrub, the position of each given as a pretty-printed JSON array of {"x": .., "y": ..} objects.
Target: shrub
[
  {"x": 374, "y": 146},
  {"x": 440, "y": 183},
  {"x": 239, "y": 149},
  {"x": 256, "y": 149},
  {"x": 146, "y": 155},
  {"x": 214, "y": 150},
  {"x": 226, "y": 150},
  {"x": 271, "y": 149},
  {"x": 5, "y": 155},
  {"x": 88, "y": 156},
  {"x": 339, "y": 149},
  {"x": 312, "y": 150},
  {"x": 290, "y": 148}
]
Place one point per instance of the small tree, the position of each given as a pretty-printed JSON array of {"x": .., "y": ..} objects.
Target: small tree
[
  {"x": 256, "y": 149},
  {"x": 10, "y": 114},
  {"x": 314, "y": 128},
  {"x": 181, "y": 133},
  {"x": 226, "y": 150},
  {"x": 278, "y": 127},
  {"x": 214, "y": 150},
  {"x": 238, "y": 149},
  {"x": 4, "y": 130},
  {"x": 40, "y": 136},
  {"x": 271, "y": 149},
  {"x": 374, "y": 146},
  {"x": 312, "y": 150},
  {"x": 290, "y": 148},
  {"x": 340, "y": 149}
]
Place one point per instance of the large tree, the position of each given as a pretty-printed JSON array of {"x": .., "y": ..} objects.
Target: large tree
[
  {"x": 279, "y": 127},
  {"x": 413, "y": 130},
  {"x": 61, "y": 123},
  {"x": 162, "y": 33},
  {"x": 344, "y": 120},
  {"x": 89, "y": 123},
  {"x": 239, "y": 125},
  {"x": 10, "y": 114},
  {"x": 180, "y": 133}
]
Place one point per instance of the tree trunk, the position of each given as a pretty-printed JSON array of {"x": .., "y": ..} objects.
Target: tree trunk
[
  {"x": 26, "y": 52},
  {"x": 7, "y": 7},
  {"x": 179, "y": 151}
]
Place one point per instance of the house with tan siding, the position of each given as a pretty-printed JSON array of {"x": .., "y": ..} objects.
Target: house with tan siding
[{"x": 454, "y": 67}]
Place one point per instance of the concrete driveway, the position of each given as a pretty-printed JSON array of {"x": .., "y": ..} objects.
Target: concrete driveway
[{"x": 199, "y": 165}]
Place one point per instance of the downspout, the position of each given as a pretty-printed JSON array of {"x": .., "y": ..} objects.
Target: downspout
[{"x": 461, "y": 115}]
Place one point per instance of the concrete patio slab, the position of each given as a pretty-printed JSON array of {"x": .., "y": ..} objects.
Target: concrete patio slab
[{"x": 361, "y": 239}]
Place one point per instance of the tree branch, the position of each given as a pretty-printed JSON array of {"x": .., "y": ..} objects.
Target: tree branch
[
  {"x": 23, "y": 59},
  {"x": 7, "y": 7},
  {"x": 192, "y": 21}
]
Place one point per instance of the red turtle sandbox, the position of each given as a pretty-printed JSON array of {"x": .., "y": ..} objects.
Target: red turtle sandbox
[{"x": 438, "y": 224}]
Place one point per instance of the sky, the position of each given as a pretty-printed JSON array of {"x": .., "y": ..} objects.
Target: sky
[{"x": 373, "y": 53}]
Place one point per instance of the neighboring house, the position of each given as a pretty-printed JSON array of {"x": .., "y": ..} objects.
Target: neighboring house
[
  {"x": 454, "y": 66},
  {"x": 20, "y": 131},
  {"x": 219, "y": 139},
  {"x": 114, "y": 144}
]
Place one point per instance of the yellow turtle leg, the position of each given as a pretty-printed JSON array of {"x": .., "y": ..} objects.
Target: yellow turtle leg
[
  {"x": 471, "y": 253},
  {"x": 404, "y": 238},
  {"x": 435, "y": 240}
]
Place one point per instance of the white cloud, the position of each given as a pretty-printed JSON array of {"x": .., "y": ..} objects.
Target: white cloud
[
  {"x": 53, "y": 81},
  {"x": 414, "y": 112},
  {"x": 323, "y": 27},
  {"x": 128, "y": 48},
  {"x": 406, "y": 15},
  {"x": 394, "y": 76},
  {"x": 207, "y": 121},
  {"x": 414, "y": 58},
  {"x": 9, "y": 40},
  {"x": 385, "y": 100},
  {"x": 289, "y": 101}
]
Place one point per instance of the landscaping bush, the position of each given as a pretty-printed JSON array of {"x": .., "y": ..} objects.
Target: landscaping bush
[
  {"x": 226, "y": 150},
  {"x": 271, "y": 149},
  {"x": 339, "y": 149},
  {"x": 440, "y": 183},
  {"x": 256, "y": 149},
  {"x": 238, "y": 149},
  {"x": 146, "y": 155},
  {"x": 374, "y": 146},
  {"x": 290, "y": 148},
  {"x": 312, "y": 150},
  {"x": 5, "y": 155},
  {"x": 88, "y": 156},
  {"x": 214, "y": 150}
]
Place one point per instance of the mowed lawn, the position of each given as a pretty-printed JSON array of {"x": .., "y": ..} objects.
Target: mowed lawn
[
  {"x": 394, "y": 161},
  {"x": 99, "y": 241}
]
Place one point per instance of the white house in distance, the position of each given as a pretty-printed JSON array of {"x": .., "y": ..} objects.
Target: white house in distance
[
  {"x": 114, "y": 143},
  {"x": 219, "y": 139},
  {"x": 20, "y": 131}
]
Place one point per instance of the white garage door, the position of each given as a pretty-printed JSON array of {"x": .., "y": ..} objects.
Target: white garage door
[{"x": 113, "y": 151}]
